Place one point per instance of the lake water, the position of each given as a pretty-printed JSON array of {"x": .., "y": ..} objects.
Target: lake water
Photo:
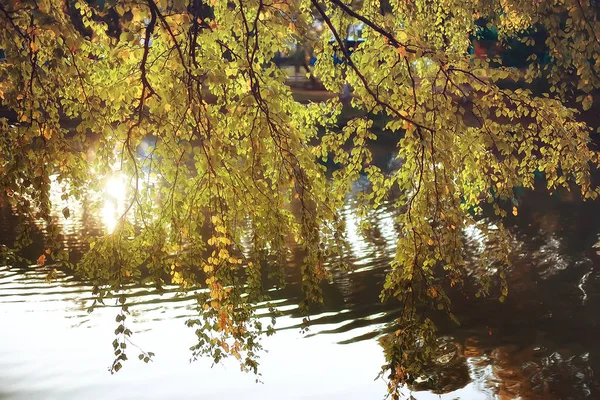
[{"x": 542, "y": 343}]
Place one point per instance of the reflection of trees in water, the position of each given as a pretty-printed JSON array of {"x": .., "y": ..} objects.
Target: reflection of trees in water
[
  {"x": 541, "y": 343},
  {"x": 84, "y": 221},
  {"x": 356, "y": 278},
  {"x": 538, "y": 373},
  {"x": 509, "y": 371},
  {"x": 552, "y": 352},
  {"x": 548, "y": 263}
]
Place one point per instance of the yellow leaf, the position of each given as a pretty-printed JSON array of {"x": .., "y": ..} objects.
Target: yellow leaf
[
  {"x": 41, "y": 259},
  {"x": 515, "y": 211},
  {"x": 167, "y": 107},
  {"x": 587, "y": 102},
  {"x": 47, "y": 133},
  {"x": 223, "y": 254},
  {"x": 177, "y": 278}
]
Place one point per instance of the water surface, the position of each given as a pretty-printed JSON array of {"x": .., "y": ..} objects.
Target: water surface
[{"x": 539, "y": 344}]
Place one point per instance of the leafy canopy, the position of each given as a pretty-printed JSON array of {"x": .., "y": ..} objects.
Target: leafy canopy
[{"x": 232, "y": 178}]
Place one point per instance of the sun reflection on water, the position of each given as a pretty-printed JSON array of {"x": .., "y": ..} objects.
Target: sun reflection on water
[
  {"x": 113, "y": 201},
  {"x": 97, "y": 211}
]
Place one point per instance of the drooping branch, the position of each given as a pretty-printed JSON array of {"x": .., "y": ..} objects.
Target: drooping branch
[
  {"x": 12, "y": 22},
  {"x": 360, "y": 75},
  {"x": 147, "y": 39},
  {"x": 369, "y": 23}
]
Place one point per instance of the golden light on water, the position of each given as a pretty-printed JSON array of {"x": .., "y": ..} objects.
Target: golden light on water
[
  {"x": 75, "y": 214},
  {"x": 113, "y": 201}
]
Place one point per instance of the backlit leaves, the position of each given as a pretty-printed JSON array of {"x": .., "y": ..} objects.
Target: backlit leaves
[{"x": 223, "y": 171}]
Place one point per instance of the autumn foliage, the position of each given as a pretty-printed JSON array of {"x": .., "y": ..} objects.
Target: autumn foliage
[{"x": 225, "y": 170}]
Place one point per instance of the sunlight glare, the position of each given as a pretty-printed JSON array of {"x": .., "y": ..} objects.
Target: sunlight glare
[{"x": 114, "y": 195}]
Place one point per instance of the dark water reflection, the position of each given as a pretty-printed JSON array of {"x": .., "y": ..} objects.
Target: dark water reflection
[{"x": 542, "y": 343}]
